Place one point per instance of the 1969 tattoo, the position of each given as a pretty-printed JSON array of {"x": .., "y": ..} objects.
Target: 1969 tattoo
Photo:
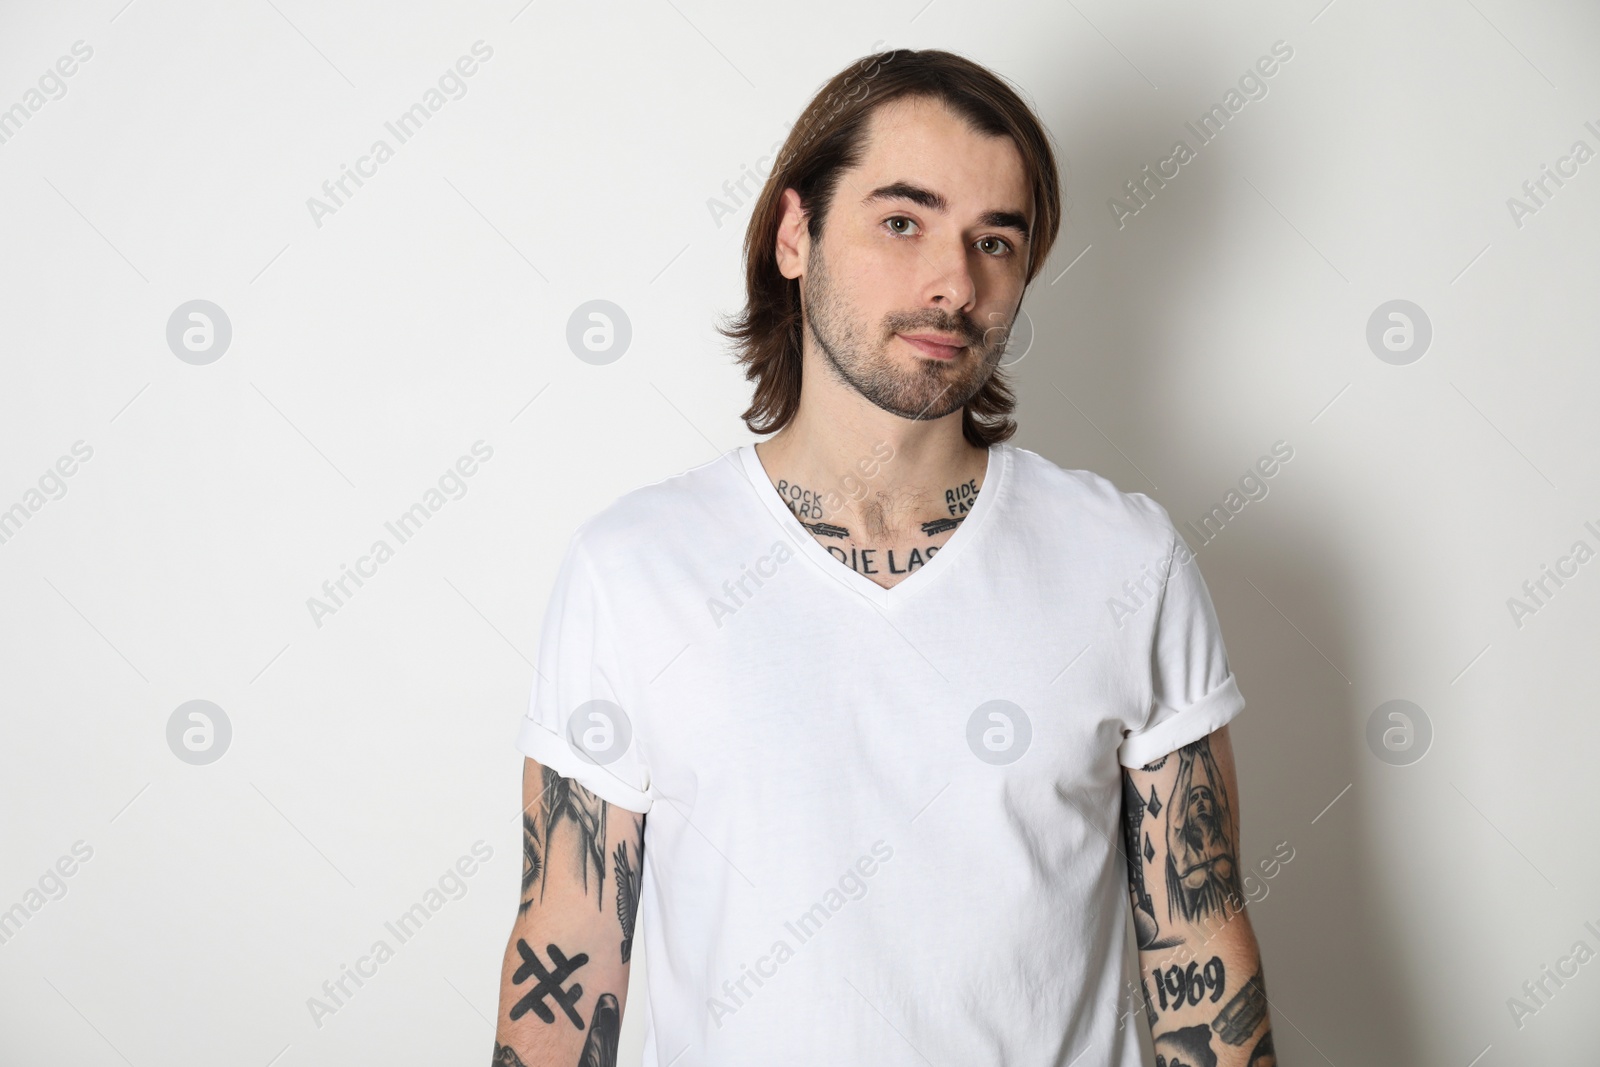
[{"x": 1192, "y": 984}]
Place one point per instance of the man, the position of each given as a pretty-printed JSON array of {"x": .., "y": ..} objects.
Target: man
[{"x": 893, "y": 692}]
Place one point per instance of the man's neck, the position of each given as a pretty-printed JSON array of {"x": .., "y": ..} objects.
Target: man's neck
[{"x": 887, "y": 482}]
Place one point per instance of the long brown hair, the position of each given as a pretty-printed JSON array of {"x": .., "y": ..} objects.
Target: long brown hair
[{"x": 829, "y": 138}]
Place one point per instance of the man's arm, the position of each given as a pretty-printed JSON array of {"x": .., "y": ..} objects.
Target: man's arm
[
  {"x": 1200, "y": 967},
  {"x": 564, "y": 979}
]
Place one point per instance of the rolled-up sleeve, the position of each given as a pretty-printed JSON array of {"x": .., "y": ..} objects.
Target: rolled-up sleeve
[
  {"x": 578, "y": 722},
  {"x": 1193, "y": 691}
]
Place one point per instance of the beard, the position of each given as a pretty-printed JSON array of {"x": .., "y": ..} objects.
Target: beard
[{"x": 929, "y": 389}]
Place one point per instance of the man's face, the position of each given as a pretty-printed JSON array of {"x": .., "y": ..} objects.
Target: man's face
[{"x": 928, "y": 235}]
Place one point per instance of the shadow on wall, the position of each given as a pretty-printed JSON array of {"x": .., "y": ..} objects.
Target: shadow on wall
[{"x": 1118, "y": 381}]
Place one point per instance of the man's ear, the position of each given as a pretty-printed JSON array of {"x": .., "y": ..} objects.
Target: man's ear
[{"x": 793, "y": 245}]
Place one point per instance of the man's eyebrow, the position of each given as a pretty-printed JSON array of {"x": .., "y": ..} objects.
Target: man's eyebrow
[{"x": 1008, "y": 220}]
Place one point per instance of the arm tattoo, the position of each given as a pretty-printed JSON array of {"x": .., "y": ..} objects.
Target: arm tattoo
[
  {"x": 1178, "y": 985},
  {"x": 532, "y": 864},
  {"x": 1187, "y": 831},
  {"x": 628, "y": 878},
  {"x": 549, "y": 985},
  {"x": 1201, "y": 874},
  {"x": 599, "y": 1048},
  {"x": 1138, "y": 851},
  {"x": 506, "y": 1056},
  {"x": 605, "y": 1029},
  {"x": 565, "y": 799},
  {"x": 1189, "y": 1046},
  {"x": 1239, "y": 1017}
]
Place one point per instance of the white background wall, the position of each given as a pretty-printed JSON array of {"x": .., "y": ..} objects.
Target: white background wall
[{"x": 368, "y": 353}]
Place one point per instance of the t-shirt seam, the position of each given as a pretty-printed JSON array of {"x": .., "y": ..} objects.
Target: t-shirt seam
[{"x": 1155, "y": 630}]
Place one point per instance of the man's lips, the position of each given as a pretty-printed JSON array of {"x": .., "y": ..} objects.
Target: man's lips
[{"x": 933, "y": 345}]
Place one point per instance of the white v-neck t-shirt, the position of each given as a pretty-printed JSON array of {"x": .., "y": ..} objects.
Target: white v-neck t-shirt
[{"x": 884, "y": 825}]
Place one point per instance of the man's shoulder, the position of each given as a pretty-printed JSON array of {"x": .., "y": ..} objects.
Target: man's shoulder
[
  {"x": 686, "y": 504},
  {"x": 1084, "y": 497}
]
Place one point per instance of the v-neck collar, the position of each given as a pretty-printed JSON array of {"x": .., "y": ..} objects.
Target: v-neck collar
[{"x": 994, "y": 477}]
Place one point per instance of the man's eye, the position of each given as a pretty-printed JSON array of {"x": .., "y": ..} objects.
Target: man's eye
[{"x": 901, "y": 226}]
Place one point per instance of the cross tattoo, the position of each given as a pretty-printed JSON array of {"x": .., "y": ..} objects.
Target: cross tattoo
[{"x": 549, "y": 984}]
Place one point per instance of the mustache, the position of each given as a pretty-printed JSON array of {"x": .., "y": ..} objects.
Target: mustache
[{"x": 966, "y": 330}]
